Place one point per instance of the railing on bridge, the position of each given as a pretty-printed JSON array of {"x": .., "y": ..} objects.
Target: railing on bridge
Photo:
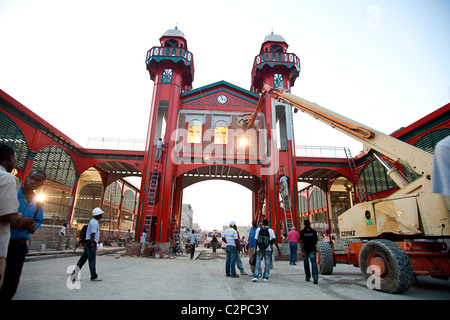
[
  {"x": 116, "y": 144},
  {"x": 320, "y": 152}
]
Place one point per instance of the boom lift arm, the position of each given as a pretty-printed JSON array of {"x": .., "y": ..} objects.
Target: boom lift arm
[
  {"x": 415, "y": 159},
  {"x": 412, "y": 210}
]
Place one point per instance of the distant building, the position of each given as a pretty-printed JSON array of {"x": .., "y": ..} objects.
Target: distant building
[{"x": 187, "y": 215}]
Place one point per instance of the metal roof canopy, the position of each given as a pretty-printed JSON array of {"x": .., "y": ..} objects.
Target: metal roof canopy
[
  {"x": 117, "y": 170},
  {"x": 318, "y": 175}
]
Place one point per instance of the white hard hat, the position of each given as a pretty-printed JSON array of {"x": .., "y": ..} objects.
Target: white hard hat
[{"x": 96, "y": 212}]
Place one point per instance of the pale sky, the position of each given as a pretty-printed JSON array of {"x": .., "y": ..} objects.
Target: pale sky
[{"x": 80, "y": 65}]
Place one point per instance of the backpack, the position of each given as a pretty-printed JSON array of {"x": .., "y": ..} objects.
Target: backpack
[
  {"x": 83, "y": 233},
  {"x": 263, "y": 238}
]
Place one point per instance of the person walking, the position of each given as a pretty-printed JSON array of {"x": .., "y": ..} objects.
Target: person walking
[
  {"x": 230, "y": 237},
  {"x": 90, "y": 246},
  {"x": 32, "y": 211},
  {"x": 192, "y": 241},
  {"x": 308, "y": 241},
  {"x": 242, "y": 244},
  {"x": 128, "y": 237},
  {"x": 214, "y": 243},
  {"x": 293, "y": 238},
  {"x": 252, "y": 242},
  {"x": 9, "y": 205},
  {"x": 264, "y": 237}
]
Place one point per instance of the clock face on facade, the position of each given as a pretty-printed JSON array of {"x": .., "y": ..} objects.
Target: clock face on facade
[{"x": 222, "y": 99}]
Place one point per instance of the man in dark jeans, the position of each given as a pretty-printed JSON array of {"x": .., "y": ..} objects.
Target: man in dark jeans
[
  {"x": 33, "y": 215},
  {"x": 90, "y": 246},
  {"x": 308, "y": 241}
]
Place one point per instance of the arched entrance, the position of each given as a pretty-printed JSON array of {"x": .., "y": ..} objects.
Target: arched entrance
[
  {"x": 213, "y": 209},
  {"x": 323, "y": 195},
  {"x": 154, "y": 225},
  {"x": 104, "y": 185}
]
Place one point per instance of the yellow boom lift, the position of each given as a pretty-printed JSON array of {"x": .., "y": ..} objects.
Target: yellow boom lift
[{"x": 396, "y": 237}]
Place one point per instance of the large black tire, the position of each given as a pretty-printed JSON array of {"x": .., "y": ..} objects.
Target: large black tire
[
  {"x": 385, "y": 266},
  {"x": 325, "y": 259}
]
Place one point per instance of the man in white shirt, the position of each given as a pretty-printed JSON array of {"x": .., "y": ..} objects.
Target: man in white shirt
[
  {"x": 9, "y": 205},
  {"x": 90, "y": 246},
  {"x": 230, "y": 237},
  {"x": 159, "y": 148},
  {"x": 263, "y": 245},
  {"x": 192, "y": 242},
  {"x": 143, "y": 243},
  {"x": 284, "y": 186}
]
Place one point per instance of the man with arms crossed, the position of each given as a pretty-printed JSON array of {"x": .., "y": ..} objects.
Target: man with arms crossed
[
  {"x": 9, "y": 204},
  {"x": 32, "y": 211}
]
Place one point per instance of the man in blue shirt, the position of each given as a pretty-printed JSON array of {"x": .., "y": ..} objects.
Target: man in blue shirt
[
  {"x": 33, "y": 215},
  {"x": 252, "y": 242}
]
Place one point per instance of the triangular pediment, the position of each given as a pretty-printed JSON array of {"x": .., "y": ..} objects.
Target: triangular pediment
[{"x": 221, "y": 95}]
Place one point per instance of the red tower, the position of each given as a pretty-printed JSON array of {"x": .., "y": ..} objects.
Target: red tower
[
  {"x": 202, "y": 135},
  {"x": 171, "y": 67},
  {"x": 279, "y": 69}
]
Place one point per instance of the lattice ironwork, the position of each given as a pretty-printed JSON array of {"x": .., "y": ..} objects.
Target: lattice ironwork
[
  {"x": 375, "y": 179},
  {"x": 429, "y": 141},
  {"x": 57, "y": 165},
  {"x": 11, "y": 134},
  {"x": 167, "y": 76}
]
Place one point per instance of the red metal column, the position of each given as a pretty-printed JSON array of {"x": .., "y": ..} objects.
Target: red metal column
[{"x": 74, "y": 200}]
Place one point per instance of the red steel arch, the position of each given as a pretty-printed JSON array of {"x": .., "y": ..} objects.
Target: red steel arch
[{"x": 39, "y": 135}]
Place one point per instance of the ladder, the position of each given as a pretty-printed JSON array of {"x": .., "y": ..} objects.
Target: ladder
[
  {"x": 359, "y": 190},
  {"x": 152, "y": 193},
  {"x": 153, "y": 184},
  {"x": 286, "y": 203},
  {"x": 176, "y": 236}
]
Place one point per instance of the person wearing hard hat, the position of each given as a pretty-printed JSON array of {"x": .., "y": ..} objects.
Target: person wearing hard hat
[{"x": 90, "y": 246}]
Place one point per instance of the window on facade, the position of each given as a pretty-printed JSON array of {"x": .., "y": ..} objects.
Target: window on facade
[
  {"x": 302, "y": 204},
  {"x": 278, "y": 80},
  {"x": 317, "y": 199},
  {"x": 167, "y": 76},
  {"x": 171, "y": 43},
  {"x": 194, "y": 132},
  {"x": 221, "y": 132},
  {"x": 276, "y": 48}
]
